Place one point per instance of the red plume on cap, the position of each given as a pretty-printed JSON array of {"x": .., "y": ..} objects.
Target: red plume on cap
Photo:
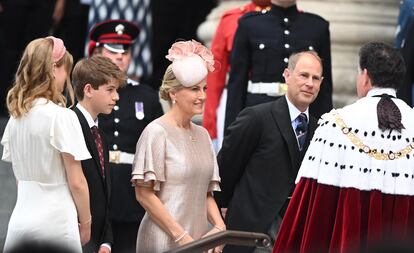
[{"x": 91, "y": 47}]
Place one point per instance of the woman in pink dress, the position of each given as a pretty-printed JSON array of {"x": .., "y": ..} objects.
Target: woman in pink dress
[{"x": 175, "y": 169}]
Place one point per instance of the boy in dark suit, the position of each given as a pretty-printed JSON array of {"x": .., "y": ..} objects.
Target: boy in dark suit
[
  {"x": 137, "y": 106},
  {"x": 96, "y": 81}
]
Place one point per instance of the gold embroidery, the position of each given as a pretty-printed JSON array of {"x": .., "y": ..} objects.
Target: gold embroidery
[{"x": 365, "y": 148}]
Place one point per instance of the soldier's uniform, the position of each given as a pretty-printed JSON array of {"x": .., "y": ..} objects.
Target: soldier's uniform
[
  {"x": 221, "y": 47},
  {"x": 137, "y": 106},
  {"x": 261, "y": 48}
]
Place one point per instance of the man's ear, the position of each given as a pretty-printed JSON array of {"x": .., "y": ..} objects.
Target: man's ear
[
  {"x": 366, "y": 80},
  {"x": 87, "y": 90},
  {"x": 286, "y": 74}
]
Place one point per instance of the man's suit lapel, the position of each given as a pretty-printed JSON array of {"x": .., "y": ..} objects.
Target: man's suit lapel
[
  {"x": 281, "y": 116},
  {"x": 90, "y": 141}
]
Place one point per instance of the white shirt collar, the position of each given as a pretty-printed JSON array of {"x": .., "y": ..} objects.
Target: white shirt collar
[
  {"x": 87, "y": 116},
  {"x": 294, "y": 112},
  {"x": 379, "y": 91},
  {"x": 132, "y": 82}
]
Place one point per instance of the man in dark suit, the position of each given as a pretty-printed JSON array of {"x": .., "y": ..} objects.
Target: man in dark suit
[
  {"x": 137, "y": 106},
  {"x": 263, "y": 149},
  {"x": 96, "y": 81},
  {"x": 262, "y": 44}
]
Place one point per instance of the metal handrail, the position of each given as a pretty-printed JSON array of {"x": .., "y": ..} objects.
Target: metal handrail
[{"x": 225, "y": 237}]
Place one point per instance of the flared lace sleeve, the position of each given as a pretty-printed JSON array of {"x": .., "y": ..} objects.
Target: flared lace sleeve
[
  {"x": 149, "y": 160},
  {"x": 215, "y": 179}
]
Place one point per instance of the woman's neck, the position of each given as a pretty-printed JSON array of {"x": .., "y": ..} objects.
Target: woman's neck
[{"x": 178, "y": 118}]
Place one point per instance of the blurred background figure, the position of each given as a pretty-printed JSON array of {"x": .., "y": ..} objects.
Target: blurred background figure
[
  {"x": 21, "y": 21},
  {"x": 221, "y": 46},
  {"x": 406, "y": 90},
  {"x": 71, "y": 24},
  {"x": 405, "y": 19},
  {"x": 405, "y": 40},
  {"x": 137, "y": 106},
  {"x": 173, "y": 20}
]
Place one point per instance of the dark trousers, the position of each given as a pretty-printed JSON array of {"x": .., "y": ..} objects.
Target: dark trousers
[{"x": 125, "y": 236}]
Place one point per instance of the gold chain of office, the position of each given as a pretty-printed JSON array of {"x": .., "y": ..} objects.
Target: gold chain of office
[{"x": 392, "y": 155}]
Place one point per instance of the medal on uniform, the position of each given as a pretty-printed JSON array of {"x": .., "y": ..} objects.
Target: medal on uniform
[{"x": 139, "y": 110}]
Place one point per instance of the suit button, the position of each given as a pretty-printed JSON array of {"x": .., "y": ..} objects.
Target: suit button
[
  {"x": 116, "y": 133},
  {"x": 116, "y": 108},
  {"x": 115, "y": 147},
  {"x": 286, "y": 20},
  {"x": 287, "y": 32},
  {"x": 261, "y": 46},
  {"x": 116, "y": 120},
  {"x": 264, "y": 11},
  {"x": 310, "y": 48},
  {"x": 286, "y": 60},
  {"x": 287, "y": 45}
]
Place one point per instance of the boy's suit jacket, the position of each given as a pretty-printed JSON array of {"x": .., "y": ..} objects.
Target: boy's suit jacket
[{"x": 99, "y": 188}]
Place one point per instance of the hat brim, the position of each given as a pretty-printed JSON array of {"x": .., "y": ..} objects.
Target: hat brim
[{"x": 117, "y": 48}]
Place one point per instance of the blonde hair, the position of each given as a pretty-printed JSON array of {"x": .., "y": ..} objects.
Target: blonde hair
[
  {"x": 169, "y": 83},
  {"x": 34, "y": 78}
]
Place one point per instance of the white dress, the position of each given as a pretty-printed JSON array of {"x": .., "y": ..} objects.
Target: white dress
[{"x": 45, "y": 210}]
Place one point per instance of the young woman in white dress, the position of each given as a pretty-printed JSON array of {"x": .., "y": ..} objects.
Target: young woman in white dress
[{"x": 44, "y": 142}]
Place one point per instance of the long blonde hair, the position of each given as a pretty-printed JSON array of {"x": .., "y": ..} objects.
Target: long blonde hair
[{"x": 34, "y": 78}]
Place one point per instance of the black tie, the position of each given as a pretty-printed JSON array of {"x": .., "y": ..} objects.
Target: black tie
[{"x": 301, "y": 129}]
